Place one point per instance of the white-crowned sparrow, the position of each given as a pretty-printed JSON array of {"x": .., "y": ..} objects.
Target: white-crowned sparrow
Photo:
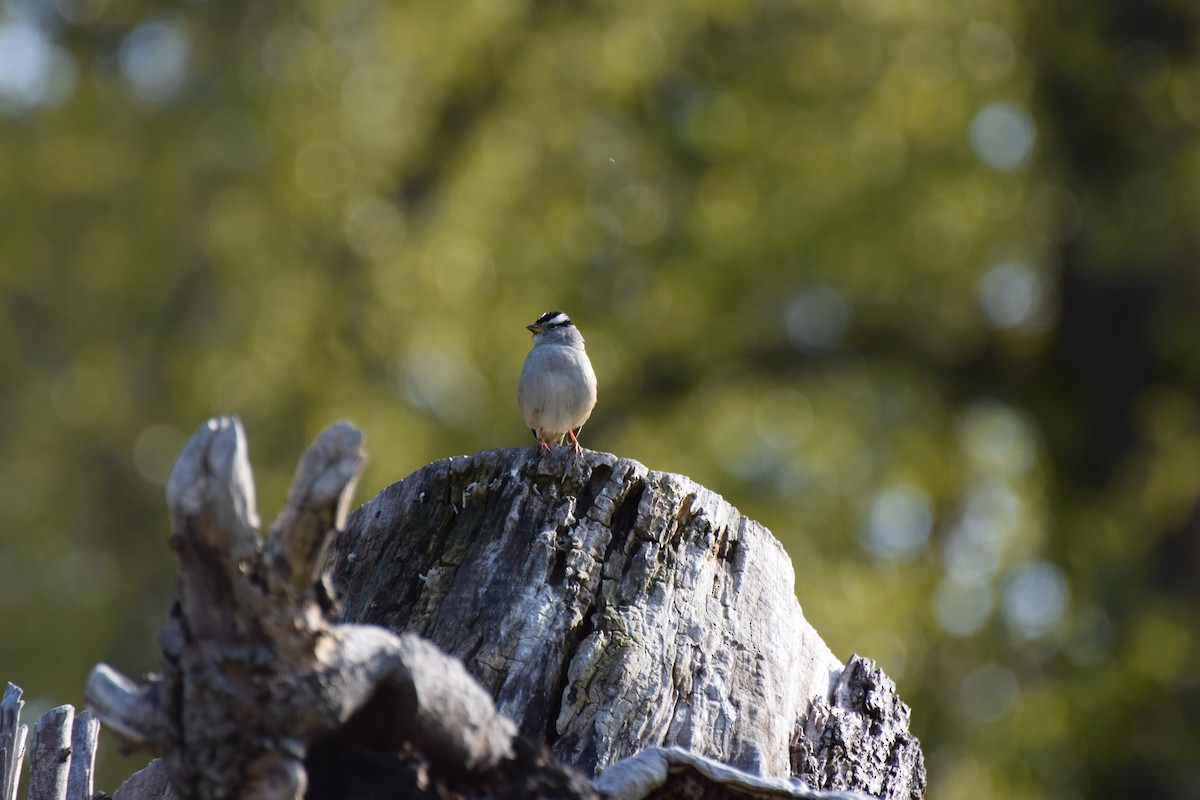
[{"x": 557, "y": 390}]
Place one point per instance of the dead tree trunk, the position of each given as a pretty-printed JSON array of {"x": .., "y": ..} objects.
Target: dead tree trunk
[
  {"x": 609, "y": 608},
  {"x": 623, "y": 620}
]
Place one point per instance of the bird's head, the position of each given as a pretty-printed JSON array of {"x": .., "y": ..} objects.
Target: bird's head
[{"x": 554, "y": 326}]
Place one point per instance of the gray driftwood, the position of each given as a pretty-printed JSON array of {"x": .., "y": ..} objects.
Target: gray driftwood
[
  {"x": 50, "y": 756},
  {"x": 62, "y": 756},
  {"x": 12, "y": 742},
  {"x": 85, "y": 734},
  {"x": 609, "y": 608}
]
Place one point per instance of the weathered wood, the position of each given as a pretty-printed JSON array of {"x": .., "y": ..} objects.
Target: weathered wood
[
  {"x": 212, "y": 477},
  {"x": 50, "y": 756},
  {"x": 859, "y": 738},
  {"x": 85, "y": 733},
  {"x": 604, "y": 607},
  {"x": 668, "y": 772},
  {"x": 254, "y": 674},
  {"x": 12, "y": 742},
  {"x": 62, "y": 757},
  {"x": 127, "y": 709},
  {"x": 152, "y": 782},
  {"x": 317, "y": 503},
  {"x": 607, "y": 607}
]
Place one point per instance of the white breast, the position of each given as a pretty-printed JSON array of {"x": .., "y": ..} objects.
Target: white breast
[{"x": 557, "y": 390}]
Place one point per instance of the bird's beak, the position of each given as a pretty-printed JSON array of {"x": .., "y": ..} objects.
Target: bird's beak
[{"x": 535, "y": 328}]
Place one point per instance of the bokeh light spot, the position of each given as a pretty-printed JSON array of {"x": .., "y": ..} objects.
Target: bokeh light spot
[
  {"x": 898, "y": 523},
  {"x": 1035, "y": 599},
  {"x": 997, "y": 438},
  {"x": 445, "y": 383},
  {"x": 33, "y": 71},
  {"x": 372, "y": 97},
  {"x": 155, "y": 450},
  {"x": 961, "y": 608},
  {"x": 988, "y": 693},
  {"x": 972, "y": 552},
  {"x": 974, "y": 547},
  {"x": 817, "y": 317},
  {"x": 1002, "y": 136},
  {"x": 154, "y": 59},
  {"x": 1013, "y": 297}
]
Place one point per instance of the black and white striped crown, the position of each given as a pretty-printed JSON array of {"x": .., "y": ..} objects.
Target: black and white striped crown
[{"x": 553, "y": 319}]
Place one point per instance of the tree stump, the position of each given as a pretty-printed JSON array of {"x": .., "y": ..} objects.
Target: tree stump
[
  {"x": 608, "y": 608},
  {"x": 551, "y": 617}
]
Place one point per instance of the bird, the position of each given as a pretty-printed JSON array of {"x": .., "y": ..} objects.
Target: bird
[{"x": 557, "y": 390}]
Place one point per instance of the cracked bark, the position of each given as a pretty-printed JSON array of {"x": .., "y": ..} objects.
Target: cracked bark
[
  {"x": 607, "y": 608},
  {"x": 859, "y": 738}
]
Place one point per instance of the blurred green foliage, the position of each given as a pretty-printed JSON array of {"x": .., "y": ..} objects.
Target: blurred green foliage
[{"x": 913, "y": 283}]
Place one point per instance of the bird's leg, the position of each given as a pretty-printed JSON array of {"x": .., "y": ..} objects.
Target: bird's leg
[
  {"x": 575, "y": 442},
  {"x": 542, "y": 443}
]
